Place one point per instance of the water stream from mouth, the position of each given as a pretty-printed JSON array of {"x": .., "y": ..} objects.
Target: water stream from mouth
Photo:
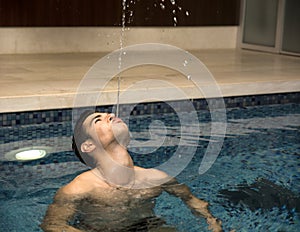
[
  {"x": 121, "y": 54},
  {"x": 125, "y": 6}
]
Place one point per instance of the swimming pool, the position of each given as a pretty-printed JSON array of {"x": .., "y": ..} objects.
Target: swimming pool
[{"x": 261, "y": 142}]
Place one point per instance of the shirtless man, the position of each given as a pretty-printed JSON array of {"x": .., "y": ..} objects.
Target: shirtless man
[{"x": 114, "y": 195}]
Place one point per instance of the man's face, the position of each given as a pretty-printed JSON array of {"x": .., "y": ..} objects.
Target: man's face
[{"x": 105, "y": 129}]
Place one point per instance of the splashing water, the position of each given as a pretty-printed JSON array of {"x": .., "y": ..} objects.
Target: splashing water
[
  {"x": 121, "y": 52},
  {"x": 175, "y": 21},
  {"x": 174, "y": 8},
  {"x": 125, "y": 6}
]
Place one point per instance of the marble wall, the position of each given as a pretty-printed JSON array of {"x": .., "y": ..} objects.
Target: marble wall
[{"x": 29, "y": 40}]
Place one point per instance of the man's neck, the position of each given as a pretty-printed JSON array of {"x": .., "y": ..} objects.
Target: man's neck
[
  {"x": 116, "y": 166},
  {"x": 120, "y": 155}
]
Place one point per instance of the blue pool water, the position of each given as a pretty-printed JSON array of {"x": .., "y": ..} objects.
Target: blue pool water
[{"x": 261, "y": 142}]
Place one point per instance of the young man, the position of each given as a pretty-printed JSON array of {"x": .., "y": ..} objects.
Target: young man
[{"x": 114, "y": 195}]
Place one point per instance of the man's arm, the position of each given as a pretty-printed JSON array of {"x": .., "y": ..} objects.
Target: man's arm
[
  {"x": 199, "y": 207},
  {"x": 59, "y": 213},
  {"x": 65, "y": 202}
]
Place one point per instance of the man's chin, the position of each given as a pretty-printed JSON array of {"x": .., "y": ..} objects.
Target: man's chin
[
  {"x": 124, "y": 142},
  {"x": 122, "y": 136}
]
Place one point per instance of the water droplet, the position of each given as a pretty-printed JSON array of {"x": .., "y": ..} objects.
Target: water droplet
[
  {"x": 187, "y": 13},
  {"x": 179, "y": 8},
  {"x": 175, "y": 20},
  {"x": 189, "y": 77},
  {"x": 162, "y": 6},
  {"x": 173, "y": 2},
  {"x": 124, "y": 53},
  {"x": 163, "y": 0},
  {"x": 185, "y": 63},
  {"x": 174, "y": 11}
]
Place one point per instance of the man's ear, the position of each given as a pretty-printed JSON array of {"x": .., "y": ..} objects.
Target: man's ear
[{"x": 87, "y": 146}]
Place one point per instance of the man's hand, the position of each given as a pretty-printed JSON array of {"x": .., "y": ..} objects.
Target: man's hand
[
  {"x": 201, "y": 207},
  {"x": 215, "y": 224},
  {"x": 197, "y": 205}
]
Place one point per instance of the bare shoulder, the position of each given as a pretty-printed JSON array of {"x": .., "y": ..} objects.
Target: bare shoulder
[
  {"x": 152, "y": 174},
  {"x": 83, "y": 183},
  {"x": 157, "y": 174}
]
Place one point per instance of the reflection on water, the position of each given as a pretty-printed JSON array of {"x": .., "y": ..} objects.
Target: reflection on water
[{"x": 262, "y": 143}]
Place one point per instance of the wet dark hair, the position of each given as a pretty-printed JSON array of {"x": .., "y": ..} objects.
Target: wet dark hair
[{"x": 80, "y": 135}]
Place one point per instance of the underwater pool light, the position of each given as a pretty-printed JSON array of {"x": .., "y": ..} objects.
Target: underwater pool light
[{"x": 28, "y": 153}]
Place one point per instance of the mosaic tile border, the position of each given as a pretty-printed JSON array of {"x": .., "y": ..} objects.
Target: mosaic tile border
[{"x": 63, "y": 115}]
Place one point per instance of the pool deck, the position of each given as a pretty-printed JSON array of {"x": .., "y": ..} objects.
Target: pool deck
[{"x": 32, "y": 82}]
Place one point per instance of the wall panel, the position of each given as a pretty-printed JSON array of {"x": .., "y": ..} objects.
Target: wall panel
[{"x": 56, "y": 13}]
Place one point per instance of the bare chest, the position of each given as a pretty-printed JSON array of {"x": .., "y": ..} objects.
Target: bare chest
[{"x": 122, "y": 196}]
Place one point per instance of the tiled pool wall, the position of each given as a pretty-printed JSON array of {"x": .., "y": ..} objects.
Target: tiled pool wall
[
  {"x": 52, "y": 128},
  {"x": 63, "y": 115}
]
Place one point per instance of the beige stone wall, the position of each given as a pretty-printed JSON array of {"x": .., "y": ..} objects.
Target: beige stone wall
[{"x": 31, "y": 40}]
